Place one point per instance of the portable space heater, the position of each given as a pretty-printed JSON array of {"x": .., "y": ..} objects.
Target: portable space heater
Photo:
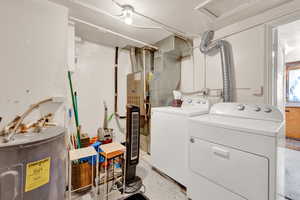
[{"x": 133, "y": 146}]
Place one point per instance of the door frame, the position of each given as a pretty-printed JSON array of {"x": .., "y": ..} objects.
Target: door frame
[{"x": 271, "y": 56}]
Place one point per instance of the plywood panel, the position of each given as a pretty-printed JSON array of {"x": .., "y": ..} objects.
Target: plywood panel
[{"x": 292, "y": 122}]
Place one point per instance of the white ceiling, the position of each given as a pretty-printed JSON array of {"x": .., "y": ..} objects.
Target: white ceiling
[
  {"x": 289, "y": 35},
  {"x": 179, "y": 14}
]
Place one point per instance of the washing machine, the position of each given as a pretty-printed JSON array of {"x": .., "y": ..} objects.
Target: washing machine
[
  {"x": 169, "y": 137},
  {"x": 234, "y": 153}
]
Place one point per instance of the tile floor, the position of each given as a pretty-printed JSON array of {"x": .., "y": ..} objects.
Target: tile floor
[
  {"x": 157, "y": 187},
  {"x": 163, "y": 189},
  {"x": 293, "y": 144},
  {"x": 292, "y": 174},
  {"x": 160, "y": 188}
]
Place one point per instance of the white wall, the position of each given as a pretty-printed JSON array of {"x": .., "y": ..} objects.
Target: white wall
[
  {"x": 249, "y": 43},
  {"x": 32, "y": 54},
  {"x": 34, "y": 61},
  {"x": 293, "y": 55},
  {"x": 248, "y": 61},
  {"x": 187, "y": 71},
  {"x": 94, "y": 81}
]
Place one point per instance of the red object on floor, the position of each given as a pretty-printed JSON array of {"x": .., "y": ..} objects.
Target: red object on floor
[
  {"x": 106, "y": 141},
  {"x": 93, "y": 140}
]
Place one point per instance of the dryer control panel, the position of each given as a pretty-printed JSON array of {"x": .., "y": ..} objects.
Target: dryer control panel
[{"x": 251, "y": 111}]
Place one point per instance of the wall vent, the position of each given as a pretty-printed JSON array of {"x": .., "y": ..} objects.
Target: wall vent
[{"x": 218, "y": 9}]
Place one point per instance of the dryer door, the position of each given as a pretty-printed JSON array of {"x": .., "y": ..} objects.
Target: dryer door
[{"x": 237, "y": 171}]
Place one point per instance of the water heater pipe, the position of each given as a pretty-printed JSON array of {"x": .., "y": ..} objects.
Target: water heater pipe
[
  {"x": 208, "y": 46},
  {"x": 116, "y": 80},
  {"x": 144, "y": 78},
  {"x": 116, "y": 66},
  {"x": 134, "y": 67},
  {"x": 11, "y": 134}
]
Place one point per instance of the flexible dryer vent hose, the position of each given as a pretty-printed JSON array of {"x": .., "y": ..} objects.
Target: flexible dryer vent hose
[{"x": 223, "y": 46}]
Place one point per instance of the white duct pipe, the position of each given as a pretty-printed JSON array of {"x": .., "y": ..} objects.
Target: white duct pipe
[
  {"x": 208, "y": 46},
  {"x": 133, "y": 61},
  {"x": 105, "y": 30}
]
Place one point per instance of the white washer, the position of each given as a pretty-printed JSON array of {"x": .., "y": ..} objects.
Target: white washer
[
  {"x": 169, "y": 137},
  {"x": 233, "y": 152}
]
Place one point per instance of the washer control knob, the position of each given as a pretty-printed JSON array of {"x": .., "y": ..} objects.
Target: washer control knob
[
  {"x": 241, "y": 107},
  {"x": 257, "y": 108},
  {"x": 192, "y": 140},
  {"x": 268, "y": 110},
  {"x": 189, "y": 101}
]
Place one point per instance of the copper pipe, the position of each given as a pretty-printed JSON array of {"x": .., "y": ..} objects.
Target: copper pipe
[{"x": 22, "y": 117}]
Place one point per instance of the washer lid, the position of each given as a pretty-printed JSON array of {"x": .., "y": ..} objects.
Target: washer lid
[
  {"x": 188, "y": 111},
  {"x": 253, "y": 126}
]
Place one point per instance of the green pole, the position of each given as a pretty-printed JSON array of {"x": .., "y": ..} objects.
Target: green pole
[
  {"x": 76, "y": 106},
  {"x": 75, "y": 109}
]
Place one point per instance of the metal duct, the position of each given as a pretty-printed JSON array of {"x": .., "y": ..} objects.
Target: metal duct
[
  {"x": 133, "y": 59},
  {"x": 167, "y": 69},
  {"x": 223, "y": 46}
]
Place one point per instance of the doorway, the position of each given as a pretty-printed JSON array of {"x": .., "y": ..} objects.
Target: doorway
[
  {"x": 286, "y": 87},
  {"x": 292, "y": 106}
]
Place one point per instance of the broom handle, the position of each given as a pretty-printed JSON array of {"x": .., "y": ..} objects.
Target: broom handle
[{"x": 75, "y": 109}]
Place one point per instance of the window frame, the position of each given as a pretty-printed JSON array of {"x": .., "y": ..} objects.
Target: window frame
[{"x": 289, "y": 67}]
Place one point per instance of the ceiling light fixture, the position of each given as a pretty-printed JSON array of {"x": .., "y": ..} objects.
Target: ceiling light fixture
[
  {"x": 130, "y": 9},
  {"x": 127, "y": 14},
  {"x": 127, "y": 17}
]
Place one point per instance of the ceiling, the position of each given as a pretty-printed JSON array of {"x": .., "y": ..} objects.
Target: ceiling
[
  {"x": 289, "y": 36},
  {"x": 178, "y": 14}
]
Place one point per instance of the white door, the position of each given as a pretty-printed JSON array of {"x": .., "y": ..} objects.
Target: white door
[
  {"x": 237, "y": 171},
  {"x": 279, "y": 87},
  {"x": 279, "y": 69}
]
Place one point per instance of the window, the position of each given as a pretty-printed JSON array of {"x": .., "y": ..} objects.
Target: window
[{"x": 293, "y": 82}]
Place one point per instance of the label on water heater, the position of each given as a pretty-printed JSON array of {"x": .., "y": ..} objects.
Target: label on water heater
[{"x": 37, "y": 174}]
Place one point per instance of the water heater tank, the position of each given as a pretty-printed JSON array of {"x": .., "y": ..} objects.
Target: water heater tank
[{"x": 33, "y": 166}]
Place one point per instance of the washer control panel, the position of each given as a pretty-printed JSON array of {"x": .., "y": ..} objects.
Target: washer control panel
[
  {"x": 241, "y": 107},
  {"x": 194, "y": 101},
  {"x": 257, "y": 108},
  {"x": 253, "y": 111}
]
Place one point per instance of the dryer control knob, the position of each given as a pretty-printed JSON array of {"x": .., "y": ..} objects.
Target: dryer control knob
[
  {"x": 200, "y": 102},
  {"x": 241, "y": 107},
  {"x": 192, "y": 140},
  {"x": 268, "y": 110},
  {"x": 257, "y": 109}
]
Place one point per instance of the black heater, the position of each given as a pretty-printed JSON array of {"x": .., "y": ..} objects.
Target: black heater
[{"x": 132, "y": 146}]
